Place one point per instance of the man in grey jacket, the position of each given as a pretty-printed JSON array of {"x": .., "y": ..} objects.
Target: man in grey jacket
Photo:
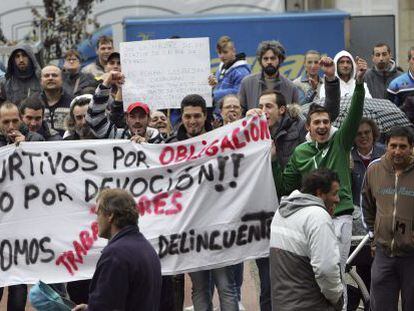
[
  {"x": 270, "y": 55},
  {"x": 304, "y": 254},
  {"x": 22, "y": 77},
  {"x": 383, "y": 72}
]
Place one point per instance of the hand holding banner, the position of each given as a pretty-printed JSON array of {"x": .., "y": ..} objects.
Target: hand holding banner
[{"x": 204, "y": 202}]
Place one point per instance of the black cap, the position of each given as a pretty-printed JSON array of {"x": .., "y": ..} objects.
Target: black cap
[{"x": 114, "y": 54}]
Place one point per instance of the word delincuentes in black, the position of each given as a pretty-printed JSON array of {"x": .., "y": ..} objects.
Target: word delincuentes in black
[
  {"x": 255, "y": 227},
  {"x": 24, "y": 252}
]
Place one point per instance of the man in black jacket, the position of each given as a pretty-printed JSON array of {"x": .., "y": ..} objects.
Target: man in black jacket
[{"x": 128, "y": 273}]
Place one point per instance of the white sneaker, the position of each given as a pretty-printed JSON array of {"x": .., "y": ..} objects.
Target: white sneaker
[{"x": 241, "y": 307}]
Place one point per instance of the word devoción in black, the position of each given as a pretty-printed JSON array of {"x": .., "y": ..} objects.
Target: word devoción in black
[{"x": 164, "y": 183}]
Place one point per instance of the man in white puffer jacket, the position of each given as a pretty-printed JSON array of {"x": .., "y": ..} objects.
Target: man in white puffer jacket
[{"x": 304, "y": 253}]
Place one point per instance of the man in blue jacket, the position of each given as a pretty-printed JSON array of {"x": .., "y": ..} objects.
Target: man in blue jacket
[
  {"x": 128, "y": 273},
  {"x": 401, "y": 89}
]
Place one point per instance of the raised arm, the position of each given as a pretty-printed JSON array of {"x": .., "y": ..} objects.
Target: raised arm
[
  {"x": 331, "y": 87},
  {"x": 96, "y": 115},
  {"x": 349, "y": 128}
]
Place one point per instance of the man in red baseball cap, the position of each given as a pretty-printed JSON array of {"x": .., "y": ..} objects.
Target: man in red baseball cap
[{"x": 137, "y": 119}]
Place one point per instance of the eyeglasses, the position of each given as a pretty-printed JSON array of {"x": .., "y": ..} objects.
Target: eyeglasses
[{"x": 72, "y": 60}]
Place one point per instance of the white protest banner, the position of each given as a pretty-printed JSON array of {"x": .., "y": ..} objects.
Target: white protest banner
[
  {"x": 205, "y": 202},
  {"x": 161, "y": 73}
]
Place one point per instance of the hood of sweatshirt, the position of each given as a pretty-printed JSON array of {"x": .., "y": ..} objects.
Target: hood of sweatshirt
[
  {"x": 336, "y": 59},
  {"x": 33, "y": 68},
  {"x": 239, "y": 61},
  {"x": 296, "y": 201}
]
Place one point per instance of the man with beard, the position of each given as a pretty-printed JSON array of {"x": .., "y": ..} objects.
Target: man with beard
[
  {"x": 78, "y": 129},
  {"x": 104, "y": 48},
  {"x": 76, "y": 126},
  {"x": 137, "y": 116},
  {"x": 22, "y": 77},
  {"x": 383, "y": 72},
  {"x": 286, "y": 125},
  {"x": 310, "y": 83},
  {"x": 270, "y": 55},
  {"x": 54, "y": 98},
  {"x": 32, "y": 113}
]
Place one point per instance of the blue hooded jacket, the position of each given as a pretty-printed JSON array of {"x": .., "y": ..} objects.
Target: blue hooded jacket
[{"x": 229, "y": 79}]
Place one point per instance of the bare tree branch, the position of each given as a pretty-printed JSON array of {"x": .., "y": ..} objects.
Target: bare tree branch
[{"x": 62, "y": 26}]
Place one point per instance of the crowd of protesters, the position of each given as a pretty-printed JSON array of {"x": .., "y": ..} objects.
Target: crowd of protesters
[{"x": 318, "y": 169}]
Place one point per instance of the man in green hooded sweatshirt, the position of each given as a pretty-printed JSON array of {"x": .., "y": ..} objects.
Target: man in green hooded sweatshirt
[{"x": 328, "y": 147}]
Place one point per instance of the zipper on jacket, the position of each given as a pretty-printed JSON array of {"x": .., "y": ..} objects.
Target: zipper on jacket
[{"x": 394, "y": 213}]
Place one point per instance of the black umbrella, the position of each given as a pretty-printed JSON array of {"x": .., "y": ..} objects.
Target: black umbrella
[{"x": 385, "y": 113}]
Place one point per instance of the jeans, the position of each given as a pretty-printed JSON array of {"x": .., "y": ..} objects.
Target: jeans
[
  {"x": 343, "y": 231},
  {"x": 264, "y": 273},
  {"x": 389, "y": 276},
  {"x": 201, "y": 295},
  {"x": 238, "y": 278},
  {"x": 17, "y": 297}
]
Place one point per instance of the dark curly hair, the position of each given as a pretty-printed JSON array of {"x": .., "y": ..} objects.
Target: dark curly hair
[{"x": 273, "y": 45}]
